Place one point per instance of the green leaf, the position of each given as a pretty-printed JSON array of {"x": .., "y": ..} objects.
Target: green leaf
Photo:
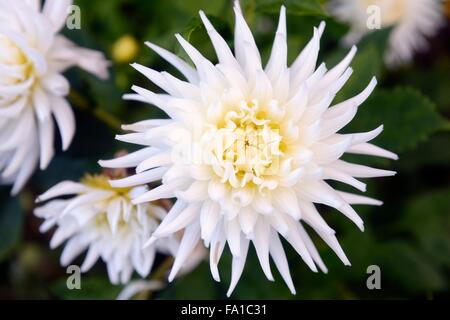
[
  {"x": 11, "y": 223},
  {"x": 403, "y": 266},
  {"x": 427, "y": 218},
  {"x": 408, "y": 117},
  {"x": 295, "y": 7},
  {"x": 432, "y": 79},
  {"x": 426, "y": 155}
]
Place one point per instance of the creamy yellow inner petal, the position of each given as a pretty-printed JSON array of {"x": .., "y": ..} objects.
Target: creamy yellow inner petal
[
  {"x": 99, "y": 181},
  {"x": 248, "y": 145}
]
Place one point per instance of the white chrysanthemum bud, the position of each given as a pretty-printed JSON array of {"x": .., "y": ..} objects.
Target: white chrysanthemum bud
[
  {"x": 248, "y": 149},
  {"x": 103, "y": 221},
  {"x": 412, "y": 21},
  {"x": 32, "y": 57}
]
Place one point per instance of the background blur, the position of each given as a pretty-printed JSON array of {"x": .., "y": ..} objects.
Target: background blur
[{"x": 408, "y": 237}]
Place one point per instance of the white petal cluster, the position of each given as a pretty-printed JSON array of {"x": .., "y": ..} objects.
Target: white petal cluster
[
  {"x": 247, "y": 150},
  {"x": 32, "y": 89},
  {"x": 412, "y": 21},
  {"x": 103, "y": 221}
]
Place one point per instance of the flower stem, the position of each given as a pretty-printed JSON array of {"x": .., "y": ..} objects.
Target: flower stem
[
  {"x": 160, "y": 272},
  {"x": 158, "y": 275},
  {"x": 100, "y": 114}
]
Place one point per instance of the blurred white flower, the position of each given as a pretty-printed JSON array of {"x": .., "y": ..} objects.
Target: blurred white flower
[
  {"x": 247, "y": 150},
  {"x": 139, "y": 286},
  {"x": 104, "y": 221},
  {"x": 412, "y": 21},
  {"x": 32, "y": 57}
]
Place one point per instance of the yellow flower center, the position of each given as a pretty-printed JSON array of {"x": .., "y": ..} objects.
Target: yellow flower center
[
  {"x": 102, "y": 182},
  {"x": 10, "y": 53},
  {"x": 12, "y": 57},
  {"x": 247, "y": 145},
  {"x": 101, "y": 222}
]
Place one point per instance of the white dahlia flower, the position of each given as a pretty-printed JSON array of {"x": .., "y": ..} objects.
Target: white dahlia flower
[
  {"x": 104, "y": 221},
  {"x": 412, "y": 21},
  {"x": 247, "y": 150},
  {"x": 32, "y": 89}
]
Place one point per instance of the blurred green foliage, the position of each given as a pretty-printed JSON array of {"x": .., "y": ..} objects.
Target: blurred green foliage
[{"x": 408, "y": 237}]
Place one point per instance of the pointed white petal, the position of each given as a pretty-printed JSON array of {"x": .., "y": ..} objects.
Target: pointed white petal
[
  {"x": 130, "y": 160},
  {"x": 209, "y": 219},
  {"x": 238, "y": 264},
  {"x": 65, "y": 119},
  {"x": 351, "y": 198},
  {"x": 261, "y": 242},
  {"x": 279, "y": 257},
  {"x": 184, "y": 218},
  {"x": 62, "y": 188},
  {"x": 190, "y": 239},
  {"x": 178, "y": 63},
  {"x": 140, "y": 178},
  {"x": 233, "y": 235},
  {"x": 372, "y": 150},
  {"x": 217, "y": 245}
]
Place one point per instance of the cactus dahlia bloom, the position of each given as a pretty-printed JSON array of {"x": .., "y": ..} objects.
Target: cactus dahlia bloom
[
  {"x": 248, "y": 150},
  {"x": 412, "y": 22},
  {"x": 104, "y": 221},
  {"x": 32, "y": 89}
]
